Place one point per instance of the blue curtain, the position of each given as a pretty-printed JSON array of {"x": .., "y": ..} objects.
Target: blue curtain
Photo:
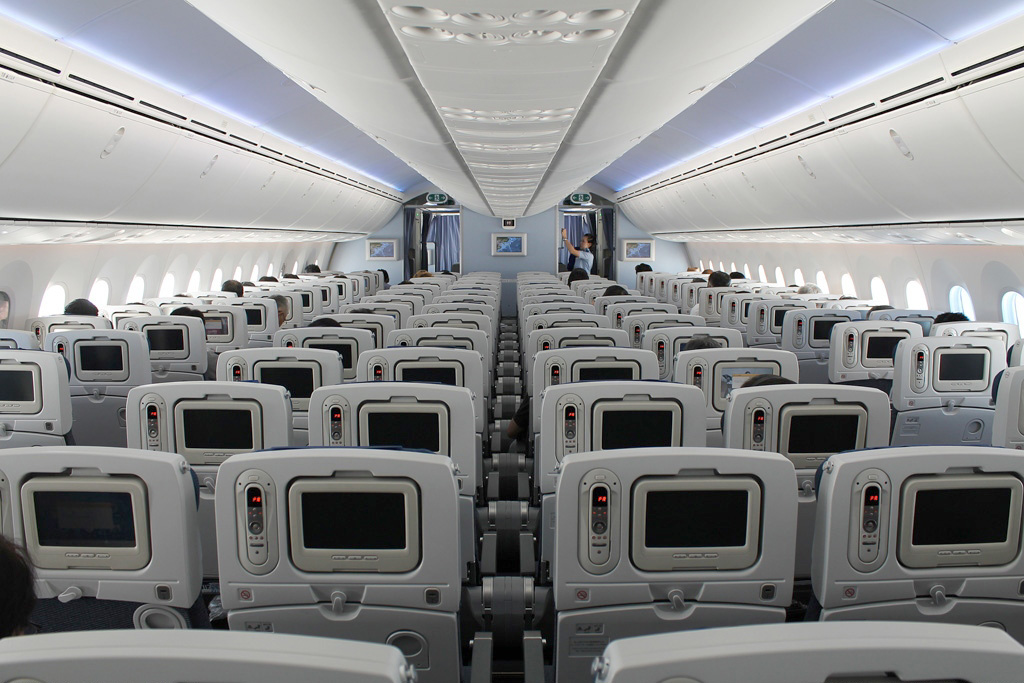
[
  {"x": 444, "y": 233},
  {"x": 608, "y": 220},
  {"x": 576, "y": 225},
  {"x": 409, "y": 229}
]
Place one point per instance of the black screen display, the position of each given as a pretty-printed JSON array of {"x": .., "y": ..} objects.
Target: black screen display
[
  {"x": 599, "y": 374},
  {"x": 343, "y": 349},
  {"x": 307, "y": 300},
  {"x": 298, "y": 381},
  {"x": 206, "y": 429},
  {"x": 438, "y": 375},
  {"x": 821, "y": 330},
  {"x": 778, "y": 314},
  {"x": 883, "y": 347},
  {"x": 696, "y": 519},
  {"x": 746, "y": 308},
  {"x": 822, "y": 433},
  {"x": 351, "y": 520},
  {"x": 636, "y": 429},
  {"x": 405, "y": 430},
  {"x": 324, "y": 296},
  {"x": 84, "y": 519},
  {"x": 17, "y": 385},
  {"x": 101, "y": 358},
  {"x": 960, "y": 367},
  {"x": 960, "y": 516},
  {"x": 254, "y": 317},
  {"x": 166, "y": 339}
]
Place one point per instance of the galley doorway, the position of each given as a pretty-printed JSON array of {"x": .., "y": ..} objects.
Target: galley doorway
[
  {"x": 434, "y": 239},
  {"x": 600, "y": 223}
]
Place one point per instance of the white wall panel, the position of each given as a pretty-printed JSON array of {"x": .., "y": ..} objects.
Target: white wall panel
[
  {"x": 21, "y": 101},
  {"x": 997, "y": 112}
]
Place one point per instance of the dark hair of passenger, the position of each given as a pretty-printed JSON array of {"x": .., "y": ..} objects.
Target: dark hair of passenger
[
  {"x": 616, "y": 290},
  {"x": 766, "y": 381},
  {"x": 387, "y": 278},
  {"x": 311, "y": 268},
  {"x": 290, "y": 276},
  {"x": 706, "y": 271},
  {"x": 443, "y": 272},
  {"x": 233, "y": 286},
  {"x": 950, "y": 317},
  {"x": 577, "y": 274},
  {"x": 362, "y": 311},
  {"x": 324, "y": 322},
  {"x": 189, "y": 311},
  {"x": 737, "y": 275},
  {"x": 880, "y": 307},
  {"x": 719, "y": 278},
  {"x": 268, "y": 278},
  {"x": 404, "y": 282},
  {"x": 81, "y": 307},
  {"x": 643, "y": 268},
  {"x": 702, "y": 341},
  {"x": 18, "y": 597}
]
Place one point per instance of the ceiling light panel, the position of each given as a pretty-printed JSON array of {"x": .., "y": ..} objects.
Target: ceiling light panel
[{"x": 508, "y": 83}]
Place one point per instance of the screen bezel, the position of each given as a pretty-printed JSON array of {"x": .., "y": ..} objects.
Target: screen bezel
[
  {"x": 812, "y": 460},
  {"x": 198, "y": 456},
  {"x": 326, "y": 560},
  {"x": 777, "y": 329},
  {"x": 460, "y": 377},
  {"x": 262, "y": 310},
  {"x": 56, "y": 557},
  {"x": 181, "y": 354},
  {"x": 601, "y": 407},
  {"x": 815, "y": 320},
  {"x": 865, "y": 339},
  {"x": 102, "y": 375},
  {"x": 228, "y": 325},
  {"x": 298, "y": 404},
  {"x": 961, "y": 386},
  {"x": 431, "y": 407},
  {"x": 719, "y": 402},
  {"x": 725, "y": 557},
  {"x": 927, "y": 556},
  {"x": 24, "y": 407},
  {"x": 580, "y": 365},
  {"x": 348, "y": 371}
]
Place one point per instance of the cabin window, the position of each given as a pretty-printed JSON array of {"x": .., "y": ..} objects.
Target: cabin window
[
  {"x": 167, "y": 286},
  {"x": 1013, "y": 308},
  {"x": 746, "y": 270},
  {"x": 5, "y": 310},
  {"x": 194, "y": 282},
  {"x": 761, "y": 275},
  {"x": 822, "y": 282},
  {"x": 255, "y": 274},
  {"x": 54, "y": 300},
  {"x": 798, "y": 278},
  {"x": 137, "y": 290},
  {"x": 721, "y": 266},
  {"x": 849, "y": 289},
  {"x": 733, "y": 267},
  {"x": 780, "y": 279},
  {"x": 960, "y": 301},
  {"x": 238, "y": 273},
  {"x": 295, "y": 268},
  {"x": 270, "y": 270},
  {"x": 701, "y": 262},
  {"x": 218, "y": 279},
  {"x": 878, "y": 293},
  {"x": 916, "y": 297},
  {"x": 100, "y": 293}
]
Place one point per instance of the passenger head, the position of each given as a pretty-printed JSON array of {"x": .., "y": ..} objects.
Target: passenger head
[
  {"x": 737, "y": 275},
  {"x": 18, "y": 597},
  {"x": 809, "y": 288},
  {"x": 311, "y": 268},
  {"x": 81, "y": 307},
  {"x": 284, "y": 307},
  {"x": 189, "y": 311},
  {"x": 423, "y": 273},
  {"x": 404, "y": 282},
  {"x": 362, "y": 311},
  {"x": 268, "y": 278},
  {"x": 766, "y": 381},
  {"x": 615, "y": 290},
  {"x": 707, "y": 271},
  {"x": 233, "y": 286},
  {"x": 290, "y": 276},
  {"x": 577, "y": 274},
  {"x": 387, "y": 279},
  {"x": 324, "y": 322},
  {"x": 719, "y": 278},
  {"x": 702, "y": 341},
  {"x": 880, "y": 307},
  {"x": 642, "y": 268},
  {"x": 951, "y": 318}
]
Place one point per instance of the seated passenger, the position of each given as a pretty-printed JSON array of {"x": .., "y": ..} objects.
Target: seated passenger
[
  {"x": 615, "y": 290},
  {"x": 719, "y": 278},
  {"x": 283, "y": 308},
  {"x": 268, "y": 278},
  {"x": 737, "y": 275},
  {"x": 766, "y": 381},
  {"x": 950, "y": 318},
  {"x": 18, "y": 598},
  {"x": 702, "y": 342},
  {"x": 643, "y": 268},
  {"x": 324, "y": 322},
  {"x": 233, "y": 286},
  {"x": 577, "y": 274},
  {"x": 311, "y": 268},
  {"x": 809, "y": 288},
  {"x": 81, "y": 307}
]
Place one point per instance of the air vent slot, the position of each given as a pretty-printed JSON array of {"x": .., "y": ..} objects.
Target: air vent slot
[
  {"x": 985, "y": 62},
  {"x": 772, "y": 142},
  {"x": 209, "y": 127},
  {"x": 914, "y": 89},
  {"x": 804, "y": 130},
  {"x": 852, "y": 111},
  {"x": 165, "y": 111},
  {"x": 243, "y": 139},
  {"x": 718, "y": 161},
  {"x": 272, "y": 151},
  {"x": 104, "y": 88},
  {"x": 749, "y": 149},
  {"x": 29, "y": 61},
  {"x": 704, "y": 166},
  {"x": 288, "y": 156}
]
